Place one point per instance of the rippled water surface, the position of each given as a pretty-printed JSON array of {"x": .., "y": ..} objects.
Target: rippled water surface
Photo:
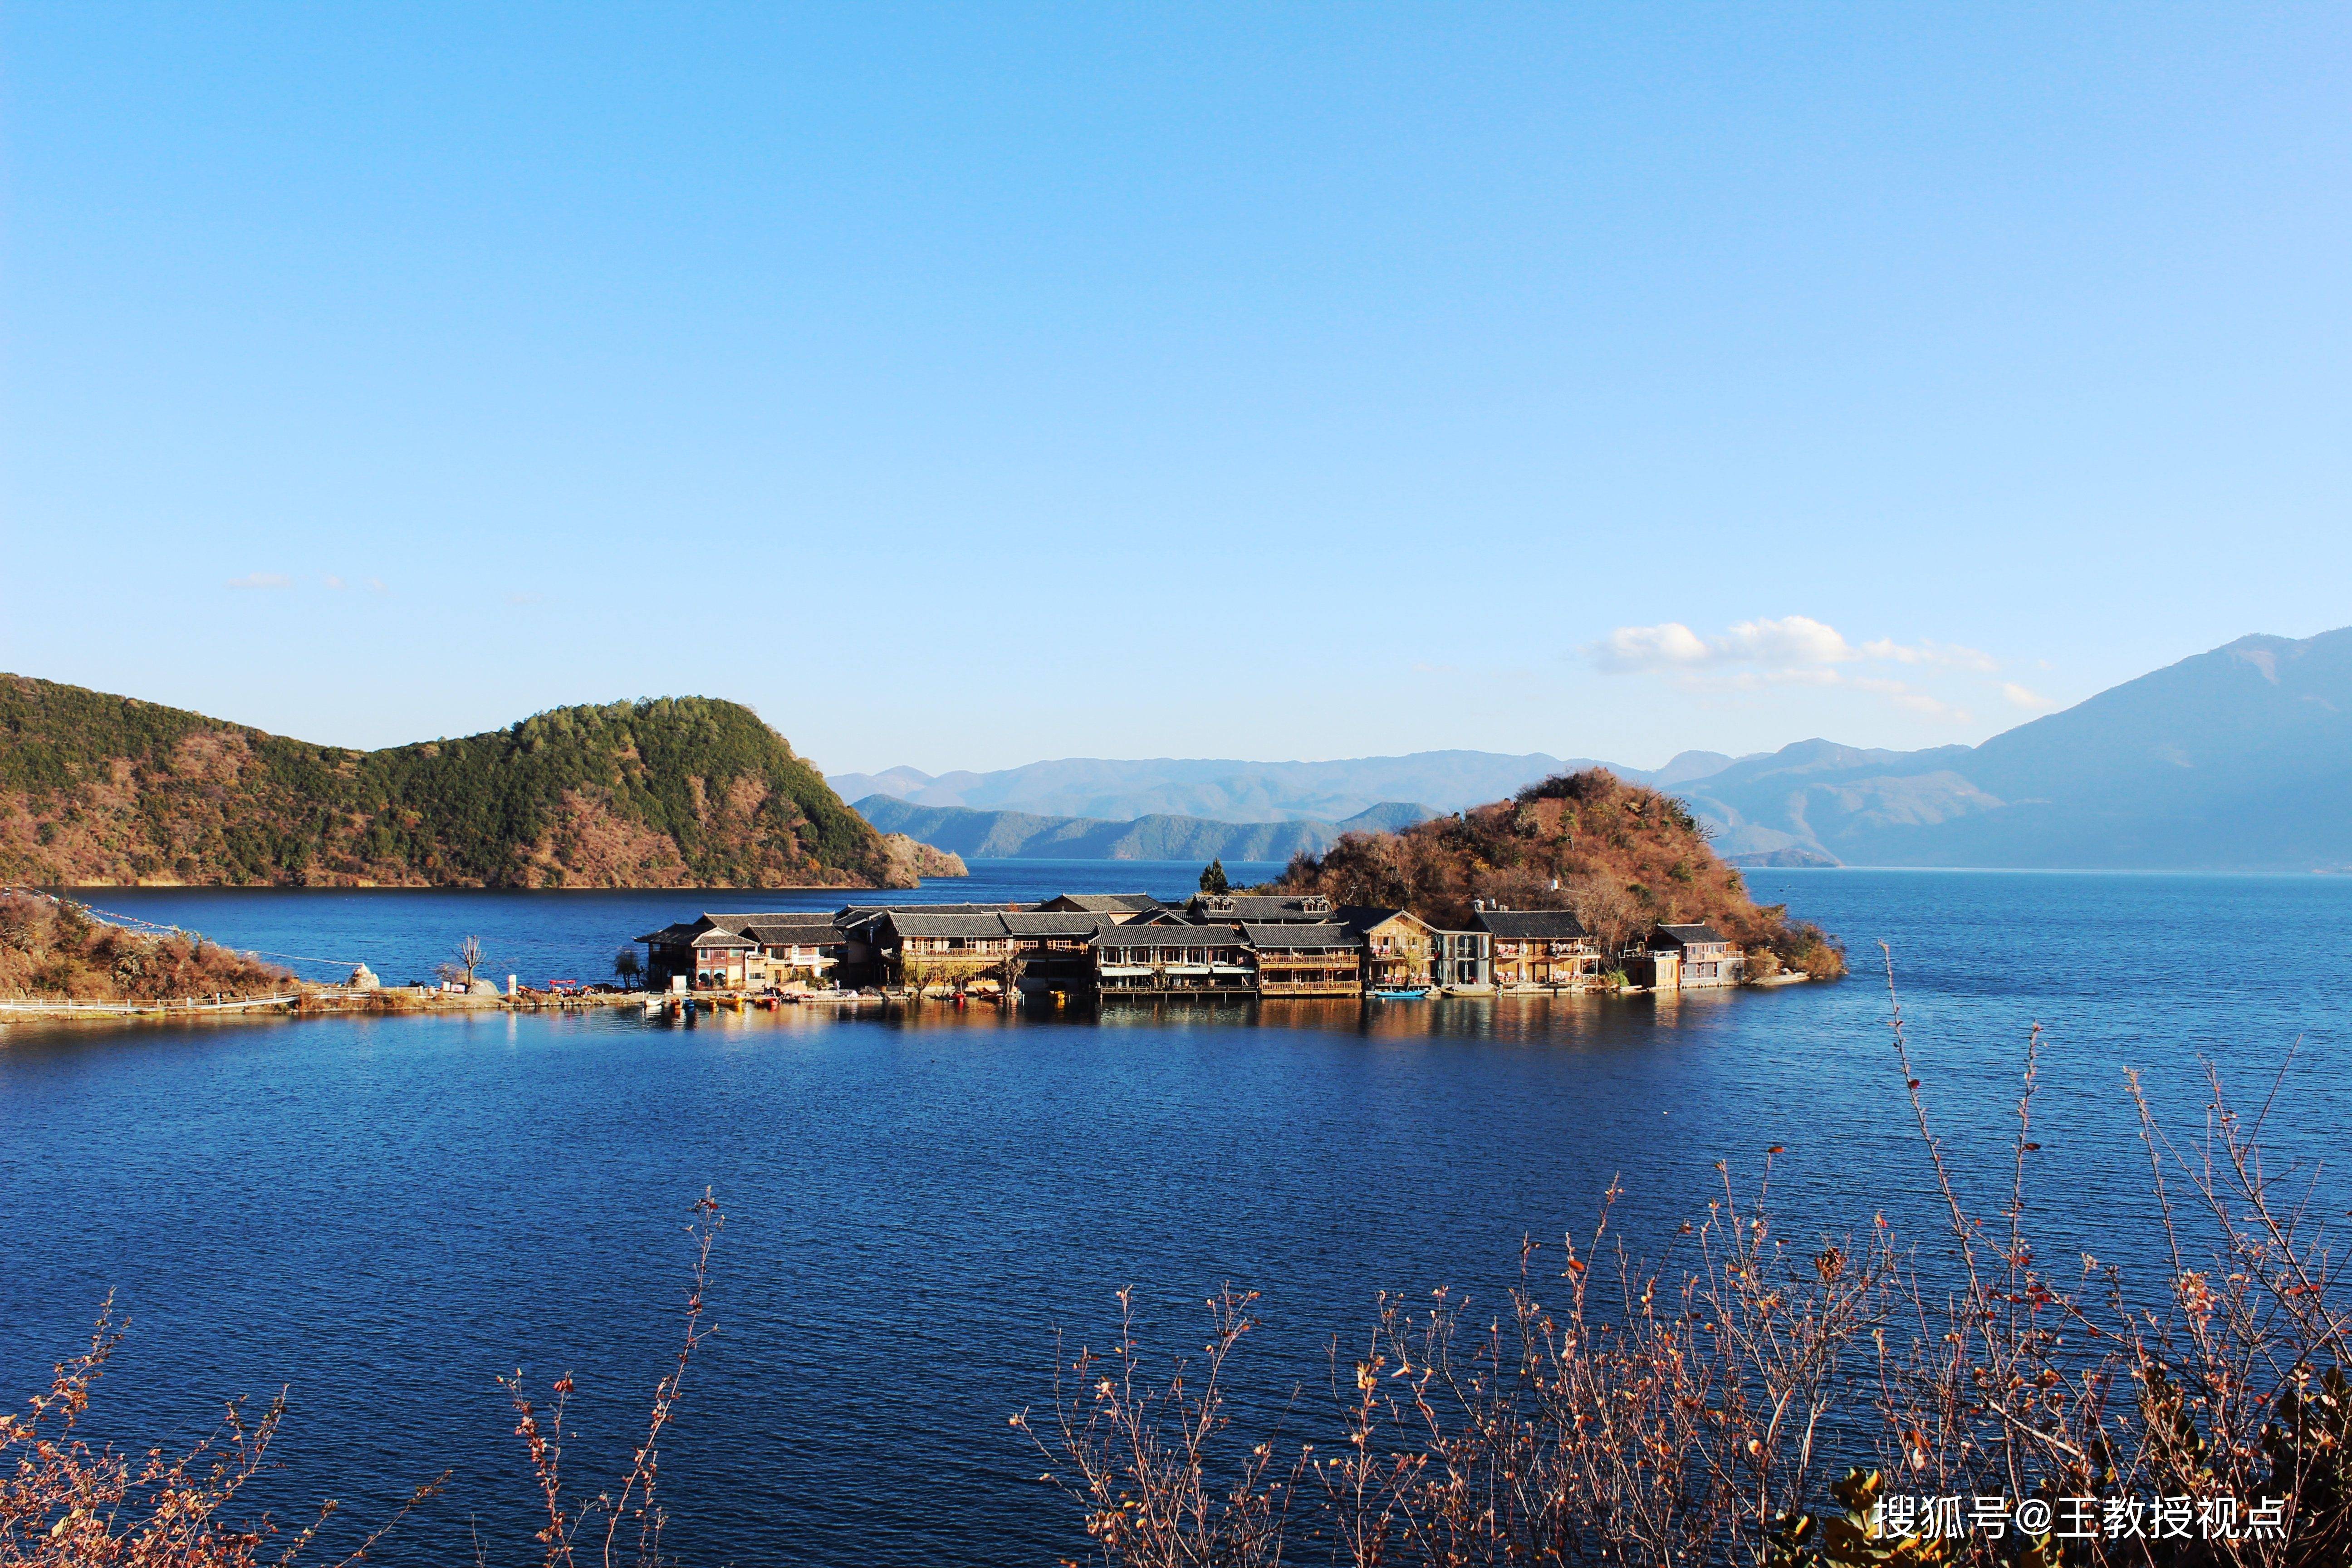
[{"x": 383, "y": 1214}]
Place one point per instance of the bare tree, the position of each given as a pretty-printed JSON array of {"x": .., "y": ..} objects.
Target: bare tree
[
  {"x": 461, "y": 966},
  {"x": 627, "y": 966},
  {"x": 1611, "y": 913}
]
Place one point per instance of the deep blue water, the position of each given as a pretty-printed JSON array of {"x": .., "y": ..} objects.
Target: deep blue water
[{"x": 382, "y": 1214}]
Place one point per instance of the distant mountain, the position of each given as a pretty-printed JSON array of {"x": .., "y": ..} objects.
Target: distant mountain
[
  {"x": 1231, "y": 791},
  {"x": 2240, "y": 759},
  {"x": 1024, "y": 836},
  {"x": 678, "y": 792}
]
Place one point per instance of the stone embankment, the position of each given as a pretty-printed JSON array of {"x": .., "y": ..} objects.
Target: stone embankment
[{"x": 313, "y": 1001}]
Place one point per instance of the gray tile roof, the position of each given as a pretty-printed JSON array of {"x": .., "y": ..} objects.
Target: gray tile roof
[
  {"x": 1055, "y": 923},
  {"x": 1530, "y": 925},
  {"x": 819, "y": 931},
  {"x": 1364, "y": 917},
  {"x": 868, "y": 910},
  {"x": 923, "y": 922},
  {"x": 1682, "y": 935},
  {"x": 1135, "y": 936},
  {"x": 1108, "y": 904},
  {"x": 1299, "y": 936},
  {"x": 675, "y": 932},
  {"x": 1265, "y": 908}
]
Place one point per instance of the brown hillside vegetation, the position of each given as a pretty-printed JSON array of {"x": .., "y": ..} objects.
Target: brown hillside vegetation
[
  {"x": 1624, "y": 857},
  {"x": 54, "y": 948},
  {"x": 662, "y": 792}
]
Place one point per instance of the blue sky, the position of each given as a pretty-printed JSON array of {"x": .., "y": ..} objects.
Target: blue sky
[{"x": 964, "y": 387}]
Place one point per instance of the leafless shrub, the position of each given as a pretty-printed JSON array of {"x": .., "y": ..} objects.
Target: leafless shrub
[
  {"x": 66, "y": 1504},
  {"x": 1746, "y": 1398}
]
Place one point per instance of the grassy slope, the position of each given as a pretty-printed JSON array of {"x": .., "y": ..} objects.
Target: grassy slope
[
  {"x": 60, "y": 951},
  {"x": 1606, "y": 844},
  {"x": 676, "y": 791}
]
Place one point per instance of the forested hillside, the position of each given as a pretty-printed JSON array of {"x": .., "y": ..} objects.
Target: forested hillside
[
  {"x": 1622, "y": 857},
  {"x": 674, "y": 792}
]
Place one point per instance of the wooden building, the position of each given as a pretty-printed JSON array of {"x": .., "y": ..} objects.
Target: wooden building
[
  {"x": 1168, "y": 959},
  {"x": 1399, "y": 948},
  {"x": 918, "y": 947},
  {"x": 1539, "y": 947},
  {"x": 1691, "y": 958},
  {"x": 1052, "y": 949},
  {"x": 744, "y": 953},
  {"x": 1299, "y": 959}
]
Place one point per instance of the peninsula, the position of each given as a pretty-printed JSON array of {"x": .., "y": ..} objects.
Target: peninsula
[{"x": 101, "y": 790}]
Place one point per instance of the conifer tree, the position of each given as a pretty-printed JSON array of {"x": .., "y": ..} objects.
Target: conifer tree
[{"x": 1213, "y": 880}]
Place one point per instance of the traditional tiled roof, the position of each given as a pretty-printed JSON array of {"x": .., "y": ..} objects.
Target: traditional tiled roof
[
  {"x": 816, "y": 931},
  {"x": 1263, "y": 909},
  {"x": 673, "y": 934},
  {"x": 923, "y": 922},
  {"x": 1361, "y": 918},
  {"x": 1684, "y": 935},
  {"x": 1055, "y": 923},
  {"x": 1107, "y": 903},
  {"x": 847, "y": 911},
  {"x": 1298, "y": 936},
  {"x": 1135, "y": 936},
  {"x": 1530, "y": 925}
]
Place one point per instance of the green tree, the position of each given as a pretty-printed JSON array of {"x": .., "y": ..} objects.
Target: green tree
[
  {"x": 1213, "y": 880},
  {"x": 628, "y": 966}
]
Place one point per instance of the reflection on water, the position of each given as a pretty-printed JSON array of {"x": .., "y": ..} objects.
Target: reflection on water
[
  {"x": 1563, "y": 1019},
  {"x": 383, "y": 1212}
]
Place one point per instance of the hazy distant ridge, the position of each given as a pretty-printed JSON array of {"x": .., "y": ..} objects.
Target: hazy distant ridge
[
  {"x": 1225, "y": 790},
  {"x": 2235, "y": 760},
  {"x": 2239, "y": 758},
  {"x": 1025, "y": 836}
]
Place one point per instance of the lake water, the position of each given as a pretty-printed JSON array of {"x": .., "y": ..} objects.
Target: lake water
[{"x": 384, "y": 1214}]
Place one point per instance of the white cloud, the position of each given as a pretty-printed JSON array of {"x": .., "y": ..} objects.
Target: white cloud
[
  {"x": 1669, "y": 647},
  {"x": 375, "y": 585},
  {"x": 1931, "y": 652},
  {"x": 2026, "y": 698},
  {"x": 1791, "y": 640},
  {"x": 334, "y": 582},
  {"x": 1786, "y": 643},
  {"x": 1791, "y": 650},
  {"x": 262, "y": 580}
]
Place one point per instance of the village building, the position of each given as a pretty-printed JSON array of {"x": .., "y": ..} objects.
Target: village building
[
  {"x": 1539, "y": 947},
  {"x": 1399, "y": 948},
  {"x": 1051, "y": 949},
  {"x": 741, "y": 953},
  {"x": 701, "y": 954},
  {"x": 1464, "y": 959},
  {"x": 1298, "y": 960},
  {"x": 1688, "y": 958},
  {"x": 1139, "y": 959},
  {"x": 1241, "y": 943},
  {"x": 919, "y": 947}
]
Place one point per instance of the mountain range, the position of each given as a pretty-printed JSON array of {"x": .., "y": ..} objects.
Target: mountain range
[
  {"x": 2238, "y": 759},
  {"x": 1024, "y": 835}
]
